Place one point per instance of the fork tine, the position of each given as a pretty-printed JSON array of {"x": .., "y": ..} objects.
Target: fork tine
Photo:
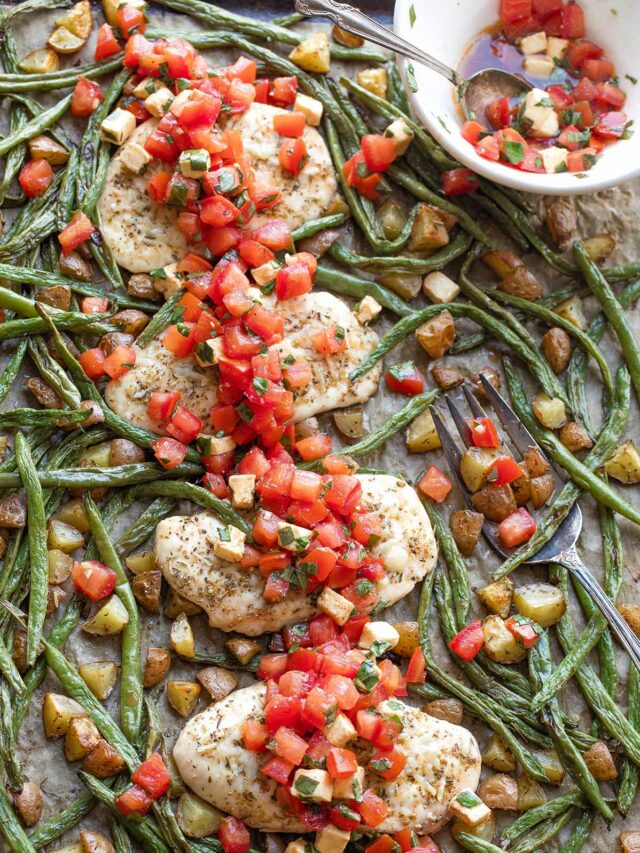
[
  {"x": 476, "y": 409},
  {"x": 515, "y": 429},
  {"x": 458, "y": 418}
]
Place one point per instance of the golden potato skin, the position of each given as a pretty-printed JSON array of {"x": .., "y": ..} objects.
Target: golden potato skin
[
  {"x": 217, "y": 682},
  {"x": 499, "y": 792},
  {"x": 28, "y": 804},
  {"x": 409, "y": 638},
  {"x": 156, "y": 665}
]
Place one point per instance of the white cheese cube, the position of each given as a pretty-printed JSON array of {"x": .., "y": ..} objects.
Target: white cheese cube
[
  {"x": 539, "y": 114},
  {"x": 229, "y": 544},
  {"x": 539, "y": 65},
  {"x": 341, "y": 731},
  {"x": 158, "y": 103},
  {"x": 168, "y": 281},
  {"x": 378, "y": 632},
  {"x": 242, "y": 487},
  {"x": 392, "y": 709},
  {"x": 549, "y": 128},
  {"x": 401, "y": 134},
  {"x": 331, "y": 839},
  {"x": 147, "y": 87},
  {"x": 311, "y": 108},
  {"x": 314, "y": 786},
  {"x": 335, "y": 605},
  {"x": 556, "y": 47},
  {"x": 195, "y": 162},
  {"x": 368, "y": 310},
  {"x": 439, "y": 288},
  {"x": 292, "y": 537},
  {"x": 255, "y": 294},
  {"x": 350, "y": 788},
  {"x": 221, "y": 445},
  {"x": 297, "y": 846},
  {"x": 535, "y": 43},
  {"x": 134, "y": 157},
  {"x": 267, "y": 272},
  {"x": 117, "y": 126},
  {"x": 468, "y": 806},
  {"x": 554, "y": 159},
  {"x": 209, "y": 352}
]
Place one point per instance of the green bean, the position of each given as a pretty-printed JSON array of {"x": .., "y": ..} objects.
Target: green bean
[
  {"x": 11, "y": 828},
  {"x": 66, "y": 199},
  {"x": 35, "y": 126},
  {"x": 580, "y": 833},
  {"x": 26, "y": 7},
  {"x": 455, "y": 564},
  {"x": 613, "y": 311},
  {"x": 540, "y": 669},
  {"x": 315, "y": 225},
  {"x": 52, "y": 373},
  {"x": 100, "y": 478},
  {"x": 37, "y": 537},
  {"x": 17, "y": 156},
  {"x": 396, "y": 92},
  {"x": 538, "y": 814},
  {"x": 468, "y": 342},
  {"x": 37, "y": 230},
  {"x": 8, "y": 753},
  {"x": 630, "y": 775},
  {"x": 131, "y": 711},
  {"x": 92, "y": 197},
  {"x": 477, "y": 845},
  {"x": 418, "y": 266},
  {"x": 345, "y": 284},
  {"x": 288, "y": 20},
  {"x": 42, "y": 417},
  {"x": 60, "y": 823},
  {"x": 144, "y": 526},
  {"x": 12, "y": 369},
  {"x": 68, "y": 77},
  {"x": 119, "y": 836},
  {"x": 162, "y": 318},
  {"x": 542, "y": 833},
  {"x": 64, "y": 320},
  {"x": 103, "y": 256}
]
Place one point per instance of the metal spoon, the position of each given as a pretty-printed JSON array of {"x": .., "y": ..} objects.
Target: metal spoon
[{"x": 474, "y": 93}]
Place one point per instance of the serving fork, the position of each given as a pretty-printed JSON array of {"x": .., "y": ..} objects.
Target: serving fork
[{"x": 561, "y": 548}]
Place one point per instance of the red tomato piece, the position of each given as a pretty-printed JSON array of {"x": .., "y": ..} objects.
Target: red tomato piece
[
  {"x": 484, "y": 433},
  {"x": 92, "y": 362},
  {"x": 524, "y": 630},
  {"x": 517, "y": 528},
  {"x": 343, "y": 493},
  {"x": 504, "y": 470},
  {"x": 272, "y": 666},
  {"x": 598, "y": 69},
  {"x": 417, "y": 669},
  {"x": 499, "y": 113},
  {"x": 405, "y": 379},
  {"x": 87, "y": 96},
  {"x": 471, "y": 131},
  {"x": 162, "y": 404},
  {"x": 283, "y": 90},
  {"x": 77, "y": 231},
  {"x": 218, "y": 211},
  {"x": 579, "y": 51},
  {"x": 275, "y": 235},
  {"x": 514, "y": 10},
  {"x": 344, "y": 817},
  {"x": 131, "y": 21},
  {"x": 341, "y": 763},
  {"x": 289, "y": 124},
  {"x": 107, "y": 44},
  {"x": 137, "y": 49},
  {"x": 278, "y": 769},
  {"x": 580, "y": 161},
  {"x": 234, "y": 836},
  {"x": 254, "y": 253},
  {"x": 319, "y": 708},
  {"x": 168, "y": 452},
  {"x": 468, "y": 642},
  {"x": 373, "y": 810},
  {"x": 339, "y": 464},
  {"x": 290, "y": 746},
  {"x": 488, "y": 148},
  {"x": 184, "y": 426},
  {"x": 293, "y": 280},
  {"x": 383, "y": 844},
  {"x": 134, "y": 801},
  {"x": 330, "y": 341},
  {"x": 179, "y": 339},
  {"x": 35, "y": 177},
  {"x": 573, "y": 21},
  {"x": 157, "y": 187},
  {"x": 292, "y": 155},
  {"x": 544, "y": 8},
  {"x": 435, "y": 484},
  {"x": 314, "y": 446},
  {"x": 153, "y": 776},
  {"x": 254, "y": 735},
  {"x": 94, "y": 304},
  {"x": 611, "y": 125},
  {"x": 215, "y": 484},
  {"x": 282, "y": 711},
  {"x": 94, "y": 580},
  {"x": 562, "y": 99},
  {"x": 378, "y": 151},
  {"x": 121, "y": 360}
]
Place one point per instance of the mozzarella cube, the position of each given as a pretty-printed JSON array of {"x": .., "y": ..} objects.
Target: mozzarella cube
[
  {"x": 117, "y": 126},
  {"x": 218, "y": 446},
  {"x": 194, "y": 163},
  {"x": 209, "y": 352},
  {"x": 292, "y": 537},
  {"x": 147, "y": 87},
  {"x": 557, "y": 48},
  {"x": 158, "y": 104},
  {"x": 535, "y": 43},
  {"x": 341, "y": 731},
  {"x": 311, "y": 108},
  {"x": 314, "y": 786},
  {"x": 168, "y": 281},
  {"x": 539, "y": 65},
  {"x": 335, "y": 605},
  {"x": 468, "y": 806},
  {"x": 350, "y": 788},
  {"x": 297, "y": 846},
  {"x": 255, "y": 294},
  {"x": 242, "y": 487},
  {"x": 368, "y": 310},
  {"x": 554, "y": 159},
  {"x": 331, "y": 839},
  {"x": 439, "y": 288},
  {"x": 392, "y": 709},
  {"x": 538, "y": 112},
  {"x": 267, "y": 272},
  {"x": 401, "y": 134},
  {"x": 378, "y": 632},
  {"x": 134, "y": 157},
  {"x": 229, "y": 544}
]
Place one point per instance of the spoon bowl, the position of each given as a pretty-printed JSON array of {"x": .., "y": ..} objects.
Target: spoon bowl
[{"x": 486, "y": 86}]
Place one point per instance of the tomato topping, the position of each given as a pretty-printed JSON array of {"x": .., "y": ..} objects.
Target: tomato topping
[
  {"x": 292, "y": 155},
  {"x": 458, "y": 182},
  {"x": 378, "y": 151},
  {"x": 471, "y": 131},
  {"x": 314, "y": 446},
  {"x": 153, "y": 776},
  {"x": 468, "y": 642},
  {"x": 121, "y": 360},
  {"x": 290, "y": 746},
  {"x": 344, "y": 817},
  {"x": 435, "y": 484},
  {"x": 134, "y": 801},
  {"x": 254, "y": 735},
  {"x": 234, "y": 836},
  {"x": 92, "y": 362},
  {"x": 278, "y": 769},
  {"x": 517, "y": 528},
  {"x": 35, "y": 177},
  {"x": 184, "y": 426},
  {"x": 405, "y": 379},
  {"x": 168, "y": 452},
  {"x": 94, "y": 580},
  {"x": 293, "y": 280},
  {"x": 417, "y": 669},
  {"x": 161, "y": 405},
  {"x": 107, "y": 44},
  {"x": 289, "y": 124},
  {"x": 373, "y": 810},
  {"x": 130, "y": 20},
  {"x": 330, "y": 341},
  {"x": 87, "y": 96},
  {"x": 484, "y": 433},
  {"x": 524, "y": 630},
  {"x": 77, "y": 231},
  {"x": 504, "y": 470},
  {"x": 283, "y": 90}
]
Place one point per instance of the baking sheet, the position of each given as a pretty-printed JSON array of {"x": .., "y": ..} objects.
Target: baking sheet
[{"x": 615, "y": 211}]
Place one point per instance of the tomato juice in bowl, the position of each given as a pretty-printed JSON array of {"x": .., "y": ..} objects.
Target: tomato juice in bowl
[{"x": 585, "y": 152}]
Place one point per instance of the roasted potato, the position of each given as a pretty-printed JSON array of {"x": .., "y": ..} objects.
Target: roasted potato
[
  {"x": 217, "y": 682},
  {"x": 541, "y": 490},
  {"x": 350, "y": 422},
  {"x": 55, "y": 596},
  {"x": 540, "y": 602},
  {"x": 575, "y": 437},
  {"x": 64, "y": 41},
  {"x": 475, "y": 465},
  {"x": 40, "y": 61},
  {"x": 530, "y": 794},
  {"x": 499, "y": 792},
  {"x": 374, "y": 80},
  {"x": 631, "y": 615},
  {"x": 125, "y": 452},
  {"x": 494, "y": 502},
  {"x": 156, "y": 665},
  {"x": 553, "y": 767},
  {"x": 447, "y": 377},
  {"x": 535, "y": 462},
  {"x": 561, "y": 221},
  {"x": 100, "y": 677},
  {"x": 43, "y": 392},
  {"x": 74, "y": 266},
  {"x": 141, "y": 563},
  {"x": 64, "y": 537},
  {"x": 78, "y": 19},
  {"x": 82, "y": 736},
  {"x": 146, "y": 589},
  {"x": 181, "y": 635},
  {"x": 422, "y": 435},
  {"x": 491, "y": 375},
  {"x": 13, "y": 510},
  {"x": 345, "y": 38},
  {"x": 485, "y": 830},
  {"x": 392, "y": 218},
  {"x": 573, "y": 311},
  {"x": 408, "y": 642},
  {"x": 466, "y": 527},
  {"x": 451, "y": 710},
  {"x": 403, "y": 283},
  {"x": 274, "y": 843},
  {"x": 551, "y": 412},
  {"x": 242, "y": 648},
  {"x": 111, "y": 618},
  {"x": 429, "y": 231},
  {"x": 599, "y": 247},
  {"x": 498, "y": 756},
  {"x": 103, "y": 761},
  {"x": 556, "y": 348},
  {"x": 130, "y": 321},
  {"x": 183, "y": 696},
  {"x": 74, "y": 514},
  {"x": 499, "y": 643},
  {"x": 19, "y": 649},
  {"x": 57, "y": 712},
  {"x": 95, "y": 842},
  {"x": 96, "y": 415},
  {"x": 313, "y": 54},
  {"x": 175, "y": 604},
  {"x": 624, "y": 465},
  {"x": 520, "y": 282},
  {"x": 497, "y": 596},
  {"x": 43, "y": 147},
  {"x": 58, "y": 296},
  {"x": 28, "y": 803},
  {"x": 521, "y": 488},
  {"x": 629, "y": 842},
  {"x": 502, "y": 263},
  {"x": 196, "y": 817},
  {"x": 141, "y": 286},
  {"x": 600, "y": 762}
]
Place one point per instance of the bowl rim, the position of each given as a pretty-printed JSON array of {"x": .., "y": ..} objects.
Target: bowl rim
[{"x": 536, "y": 183}]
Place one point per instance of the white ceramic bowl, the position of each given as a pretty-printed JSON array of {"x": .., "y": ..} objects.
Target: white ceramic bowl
[{"x": 444, "y": 29}]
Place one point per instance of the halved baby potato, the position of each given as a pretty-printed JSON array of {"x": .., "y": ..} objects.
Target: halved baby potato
[
  {"x": 540, "y": 602},
  {"x": 78, "y": 19},
  {"x": 64, "y": 41},
  {"x": 475, "y": 465},
  {"x": 183, "y": 695},
  {"x": 100, "y": 677},
  {"x": 57, "y": 712},
  {"x": 112, "y": 618},
  {"x": 41, "y": 61},
  {"x": 499, "y": 643},
  {"x": 196, "y": 817},
  {"x": 422, "y": 435}
]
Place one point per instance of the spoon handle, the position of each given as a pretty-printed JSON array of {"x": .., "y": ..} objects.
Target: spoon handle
[{"x": 354, "y": 21}]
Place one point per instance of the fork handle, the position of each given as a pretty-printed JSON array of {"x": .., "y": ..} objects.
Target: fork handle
[
  {"x": 354, "y": 21},
  {"x": 572, "y": 562}
]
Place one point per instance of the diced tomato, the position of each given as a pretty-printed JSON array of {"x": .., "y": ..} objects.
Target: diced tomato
[
  {"x": 344, "y": 817},
  {"x": 499, "y": 113},
  {"x": 504, "y": 470},
  {"x": 517, "y": 30},
  {"x": 180, "y": 58},
  {"x": 254, "y": 253},
  {"x": 293, "y": 280},
  {"x": 162, "y": 404},
  {"x": 283, "y": 90},
  {"x": 134, "y": 801},
  {"x": 184, "y": 425},
  {"x": 514, "y": 10},
  {"x": 585, "y": 111},
  {"x": 571, "y": 138},
  {"x": 157, "y": 187},
  {"x": 319, "y": 708},
  {"x": 417, "y": 669},
  {"x": 160, "y": 145},
  {"x": 278, "y": 768},
  {"x": 272, "y": 666},
  {"x": 357, "y": 175},
  {"x": 153, "y": 776},
  {"x": 94, "y": 580},
  {"x": 435, "y": 484},
  {"x": 383, "y": 844},
  {"x": 179, "y": 339},
  {"x": 121, "y": 360},
  {"x": 544, "y": 8},
  {"x": 107, "y": 44},
  {"x": 468, "y": 642},
  {"x": 168, "y": 452},
  {"x": 343, "y": 493},
  {"x": 579, "y": 51},
  {"x": 314, "y": 446},
  {"x": 366, "y": 528},
  {"x": 289, "y": 124},
  {"x": 524, "y": 630},
  {"x": 488, "y": 148},
  {"x": 611, "y": 125},
  {"x": 552, "y": 25},
  {"x": 562, "y": 99},
  {"x": 234, "y": 836},
  {"x": 130, "y": 20},
  {"x": 275, "y": 235},
  {"x": 292, "y": 155},
  {"x": 254, "y": 735},
  {"x": 378, "y": 151},
  {"x": 580, "y": 161},
  {"x": 471, "y": 131},
  {"x": 87, "y": 96},
  {"x": 572, "y": 21},
  {"x": 290, "y": 746},
  {"x": 598, "y": 69},
  {"x": 276, "y": 587},
  {"x": 339, "y": 464},
  {"x": 484, "y": 433},
  {"x": 215, "y": 484},
  {"x": 138, "y": 48},
  {"x": 35, "y": 177},
  {"x": 77, "y": 231},
  {"x": 405, "y": 379},
  {"x": 373, "y": 810},
  {"x": 282, "y": 711},
  {"x": 218, "y": 211},
  {"x": 368, "y": 724},
  {"x": 92, "y": 362},
  {"x": 610, "y": 95},
  {"x": 517, "y": 528},
  {"x": 330, "y": 341}
]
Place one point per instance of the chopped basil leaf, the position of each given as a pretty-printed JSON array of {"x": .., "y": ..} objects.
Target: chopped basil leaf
[
  {"x": 223, "y": 534},
  {"x": 411, "y": 78},
  {"x": 260, "y": 385},
  {"x": 513, "y": 152},
  {"x": 305, "y": 786}
]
